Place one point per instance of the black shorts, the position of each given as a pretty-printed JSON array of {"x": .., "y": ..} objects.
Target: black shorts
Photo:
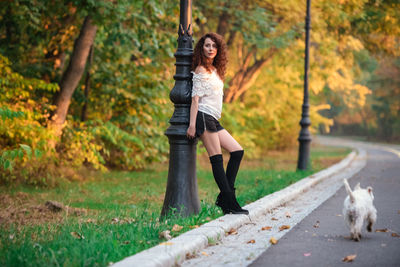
[{"x": 206, "y": 122}]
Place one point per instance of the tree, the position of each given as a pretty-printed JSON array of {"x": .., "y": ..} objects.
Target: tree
[
  {"x": 255, "y": 31},
  {"x": 73, "y": 74}
]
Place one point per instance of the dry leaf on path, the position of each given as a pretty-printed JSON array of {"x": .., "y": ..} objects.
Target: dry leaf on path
[
  {"x": 266, "y": 228},
  {"x": 395, "y": 235},
  {"x": 166, "y": 243},
  {"x": 273, "y": 241},
  {"x": 251, "y": 241},
  {"x": 274, "y": 219},
  {"x": 288, "y": 215},
  {"x": 165, "y": 234},
  {"x": 204, "y": 253},
  {"x": 284, "y": 227},
  {"x": 349, "y": 258},
  {"x": 316, "y": 225},
  {"x": 176, "y": 228},
  {"x": 384, "y": 230},
  {"x": 77, "y": 235},
  {"x": 232, "y": 232}
]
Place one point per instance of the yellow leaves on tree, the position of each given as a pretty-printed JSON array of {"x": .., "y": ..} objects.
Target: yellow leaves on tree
[{"x": 351, "y": 94}]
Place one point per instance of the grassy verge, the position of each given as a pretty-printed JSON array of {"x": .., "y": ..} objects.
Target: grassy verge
[{"x": 115, "y": 215}]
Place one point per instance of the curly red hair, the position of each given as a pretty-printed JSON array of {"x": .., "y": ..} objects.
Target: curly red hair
[{"x": 220, "y": 60}]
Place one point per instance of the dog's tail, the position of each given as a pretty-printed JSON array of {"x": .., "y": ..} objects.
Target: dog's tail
[{"x": 348, "y": 189}]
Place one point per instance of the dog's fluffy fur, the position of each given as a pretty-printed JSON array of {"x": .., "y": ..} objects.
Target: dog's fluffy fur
[{"x": 358, "y": 206}]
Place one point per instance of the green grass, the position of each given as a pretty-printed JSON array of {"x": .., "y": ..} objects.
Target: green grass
[{"x": 135, "y": 199}]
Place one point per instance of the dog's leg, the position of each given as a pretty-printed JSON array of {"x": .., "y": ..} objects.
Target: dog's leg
[
  {"x": 357, "y": 228},
  {"x": 371, "y": 220}
]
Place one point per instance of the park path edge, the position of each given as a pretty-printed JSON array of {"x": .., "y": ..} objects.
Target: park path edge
[{"x": 175, "y": 251}]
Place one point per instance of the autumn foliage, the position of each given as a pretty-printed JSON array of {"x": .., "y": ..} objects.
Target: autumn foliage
[{"x": 119, "y": 109}]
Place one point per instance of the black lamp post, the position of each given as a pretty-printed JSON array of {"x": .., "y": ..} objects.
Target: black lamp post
[
  {"x": 305, "y": 122},
  {"x": 181, "y": 194}
]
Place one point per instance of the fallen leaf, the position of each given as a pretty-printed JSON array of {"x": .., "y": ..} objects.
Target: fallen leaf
[
  {"x": 284, "y": 227},
  {"x": 266, "y": 228},
  {"x": 204, "y": 253},
  {"x": 190, "y": 256},
  {"x": 398, "y": 212},
  {"x": 288, "y": 215},
  {"x": 274, "y": 219},
  {"x": 316, "y": 225},
  {"x": 273, "y": 241},
  {"x": 384, "y": 230},
  {"x": 339, "y": 215},
  {"x": 77, "y": 235},
  {"x": 395, "y": 235},
  {"x": 166, "y": 243},
  {"x": 307, "y": 254},
  {"x": 193, "y": 226},
  {"x": 176, "y": 228},
  {"x": 232, "y": 232},
  {"x": 349, "y": 258},
  {"x": 126, "y": 242},
  {"x": 165, "y": 234},
  {"x": 251, "y": 241}
]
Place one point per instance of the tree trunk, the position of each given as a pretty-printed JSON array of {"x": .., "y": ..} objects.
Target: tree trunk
[
  {"x": 72, "y": 75},
  {"x": 246, "y": 76},
  {"x": 87, "y": 85},
  {"x": 223, "y": 24}
]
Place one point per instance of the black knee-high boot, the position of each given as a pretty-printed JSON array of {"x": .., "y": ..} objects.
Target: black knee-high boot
[
  {"x": 217, "y": 164},
  {"x": 232, "y": 170},
  {"x": 233, "y": 167},
  {"x": 226, "y": 199}
]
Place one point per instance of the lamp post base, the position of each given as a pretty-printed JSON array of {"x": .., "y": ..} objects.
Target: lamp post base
[
  {"x": 181, "y": 196},
  {"x": 304, "y": 154}
]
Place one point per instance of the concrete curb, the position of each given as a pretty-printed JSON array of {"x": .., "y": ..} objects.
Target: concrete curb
[{"x": 174, "y": 251}]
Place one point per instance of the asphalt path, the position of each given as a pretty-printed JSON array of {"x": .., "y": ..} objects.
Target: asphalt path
[{"x": 322, "y": 238}]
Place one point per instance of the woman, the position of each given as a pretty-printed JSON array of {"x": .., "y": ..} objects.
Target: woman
[{"x": 209, "y": 65}]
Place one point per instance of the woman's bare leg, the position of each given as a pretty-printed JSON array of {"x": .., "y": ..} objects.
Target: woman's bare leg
[
  {"x": 228, "y": 142},
  {"x": 212, "y": 143}
]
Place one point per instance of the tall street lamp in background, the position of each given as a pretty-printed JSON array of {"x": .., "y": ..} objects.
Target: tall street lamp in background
[
  {"x": 305, "y": 122},
  {"x": 181, "y": 194}
]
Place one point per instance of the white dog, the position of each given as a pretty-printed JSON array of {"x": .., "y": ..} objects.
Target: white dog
[{"x": 358, "y": 206}]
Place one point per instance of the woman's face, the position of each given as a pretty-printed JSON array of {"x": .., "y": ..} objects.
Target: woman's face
[{"x": 210, "y": 48}]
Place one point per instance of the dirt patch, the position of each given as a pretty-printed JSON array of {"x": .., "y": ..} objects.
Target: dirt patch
[{"x": 21, "y": 209}]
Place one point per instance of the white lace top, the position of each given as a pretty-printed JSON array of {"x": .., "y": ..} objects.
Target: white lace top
[{"x": 209, "y": 87}]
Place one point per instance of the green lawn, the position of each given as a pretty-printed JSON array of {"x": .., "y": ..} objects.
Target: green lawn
[{"x": 119, "y": 211}]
